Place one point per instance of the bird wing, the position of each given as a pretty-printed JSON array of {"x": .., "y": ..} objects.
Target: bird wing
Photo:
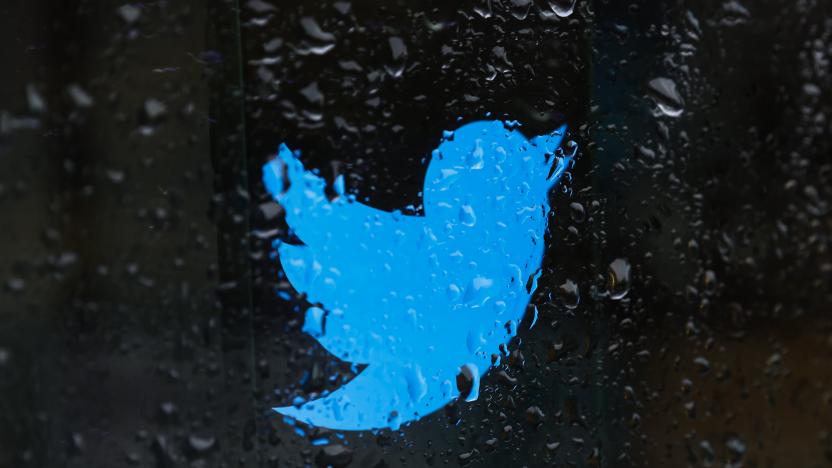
[{"x": 348, "y": 248}]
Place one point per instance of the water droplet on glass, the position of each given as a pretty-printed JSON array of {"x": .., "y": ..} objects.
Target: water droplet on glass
[
  {"x": 668, "y": 100},
  {"x": 484, "y": 9},
  {"x": 734, "y": 13},
  {"x": 468, "y": 382},
  {"x": 569, "y": 294},
  {"x": 201, "y": 445},
  {"x": 313, "y": 30},
  {"x": 474, "y": 341},
  {"x": 577, "y": 212},
  {"x": 702, "y": 363},
  {"x": 342, "y": 7},
  {"x": 534, "y": 415},
  {"x": 312, "y": 93},
  {"x": 618, "y": 279},
  {"x": 337, "y": 455},
  {"x": 76, "y": 441},
  {"x": 417, "y": 386},
  {"x": 467, "y": 215},
  {"x": 736, "y": 445},
  {"x": 339, "y": 185},
  {"x": 260, "y": 6},
  {"x": 15, "y": 284},
  {"x": 562, "y": 8},
  {"x": 36, "y": 102},
  {"x": 154, "y": 109},
  {"x": 320, "y": 42},
  {"x": 398, "y": 50},
  {"x": 79, "y": 96},
  {"x": 453, "y": 292},
  {"x": 314, "y": 322},
  {"x": 476, "y": 159},
  {"x": 535, "y": 315},
  {"x": 129, "y": 13},
  {"x": 520, "y": 8}
]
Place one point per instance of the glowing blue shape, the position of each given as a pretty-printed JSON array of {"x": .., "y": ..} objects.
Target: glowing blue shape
[{"x": 419, "y": 299}]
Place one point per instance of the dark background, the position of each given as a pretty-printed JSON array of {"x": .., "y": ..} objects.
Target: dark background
[{"x": 140, "y": 318}]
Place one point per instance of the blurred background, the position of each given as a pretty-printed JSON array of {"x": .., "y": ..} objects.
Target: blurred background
[{"x": 684, "y": 304}]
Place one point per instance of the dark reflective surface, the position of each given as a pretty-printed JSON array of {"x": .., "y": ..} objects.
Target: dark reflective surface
[{"x": 683, "y": 307}]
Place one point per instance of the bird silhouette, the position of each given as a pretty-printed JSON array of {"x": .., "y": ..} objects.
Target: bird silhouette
[{"x": 425, "y": 302}]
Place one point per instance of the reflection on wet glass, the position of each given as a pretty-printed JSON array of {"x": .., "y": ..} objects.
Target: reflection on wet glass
[{"x": 673, "y": 312}]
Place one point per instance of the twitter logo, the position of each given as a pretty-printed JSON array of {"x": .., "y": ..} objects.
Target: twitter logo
[{"x": 427, "y": 303}]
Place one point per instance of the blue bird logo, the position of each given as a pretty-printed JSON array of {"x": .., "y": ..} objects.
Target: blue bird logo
[{"x": 422, "y": 301}]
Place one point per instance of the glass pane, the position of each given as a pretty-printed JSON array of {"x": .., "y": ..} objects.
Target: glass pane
[{"x": 181, "y": 290}]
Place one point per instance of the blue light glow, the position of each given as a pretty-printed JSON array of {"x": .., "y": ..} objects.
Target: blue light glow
[{"x": 419, "y": 299}]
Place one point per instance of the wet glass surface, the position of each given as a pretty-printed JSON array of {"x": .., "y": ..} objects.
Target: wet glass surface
[{"x": 681, "y": 314}]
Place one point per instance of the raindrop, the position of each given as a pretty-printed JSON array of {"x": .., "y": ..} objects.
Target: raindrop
[
  {"x": 313, "y": 30},
  {"x": 133, "y": 458},
  {"x": 115, "y": 176},
  {"x": 467, "y": 216},
  {"x": 399, "y": 52},
  {"x": 315, "y": 50},
  {"x": 569, "y": 294},
  {"x": 79, "y": 97},
  {"x": 453, "y": 292},
  {"x": 535, "y": 315},
  {"x": 154, "y": 109},
  {"x": 500, "y": 53},
  {"x": 520, "y": 8},
  {"x": 168, "y": 411},
  {"x": 534, "y": 415},
  {"x": 734, "y": 13},
  {"x": 15, "y": 284},
  {"x": 468, "y": 382},
  {"x": 577, "y": 211},
  {"x": 562, "y": 8},
  {"x": 477, "y": 289},
  {"x": 394, "y": 421},
  {"x": 417, "y": 386},
  {"x": 334, "y": 455},
  {"x": 129, "y": 13},
  {"x": 36, "y": 102},
  {"x": 320, "y": 42},
  {"x": 260, "y": 6},
  {"x": 76, "y": 441},
  {"x": 273, "y": 45},
  {"x": 476, "y": 159},
  {"x": 313, "y": 94},
  {"x": 201, "y": 445},
  {"x": 702, "y": 363},
  {"x": 736, "y": 445},
  {"x": 707, "y": 448},
  {"x": 484, "y": 9},
  {"x": 314, "y": 322},
  {"x": 709, "y": 280},
  {"x": 342, "y": 7},
  {"x": 618, "y": 279},
  {"x": 811, "y": 89},
  {"x": 339, "y": 185},
  {"x": 668, "y": 100}
]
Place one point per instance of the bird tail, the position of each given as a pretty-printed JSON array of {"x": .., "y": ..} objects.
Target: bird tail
[{"x": 381, "y": 396}]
